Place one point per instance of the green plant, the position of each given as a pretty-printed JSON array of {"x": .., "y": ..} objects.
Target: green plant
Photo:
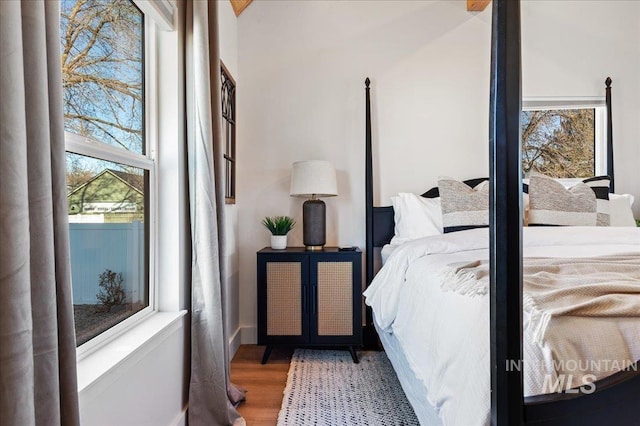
[
  {"x": 279, "y": 225},
  {"x": 637, "y": 222},
  {"x": 111, "y": 289}
]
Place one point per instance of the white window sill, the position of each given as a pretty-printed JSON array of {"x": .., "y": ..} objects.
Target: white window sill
[{"x": 133, "y": 344}]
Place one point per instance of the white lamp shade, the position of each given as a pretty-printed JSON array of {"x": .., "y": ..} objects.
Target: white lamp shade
[{"x": 313, "y": 177}]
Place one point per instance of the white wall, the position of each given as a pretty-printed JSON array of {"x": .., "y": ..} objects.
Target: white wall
[
  {"x": 228, "y": 33},
  {"x": 302, "y": 66},
  {"x": 146, "y": 389}
]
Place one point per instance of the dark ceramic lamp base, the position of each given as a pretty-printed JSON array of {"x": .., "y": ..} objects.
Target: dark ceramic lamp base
[{"x": 314, "y": 224}]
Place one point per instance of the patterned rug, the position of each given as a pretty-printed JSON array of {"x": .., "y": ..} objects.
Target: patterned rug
[{"x": 325, "y": 387}]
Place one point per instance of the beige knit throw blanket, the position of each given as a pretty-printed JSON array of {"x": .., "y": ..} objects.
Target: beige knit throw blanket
[{"x": 603, "y": 286}]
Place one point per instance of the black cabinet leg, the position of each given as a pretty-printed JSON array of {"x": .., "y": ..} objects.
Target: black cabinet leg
[
  {"x": 267, "y": 353},
  {"x": 354, "y": 355}
]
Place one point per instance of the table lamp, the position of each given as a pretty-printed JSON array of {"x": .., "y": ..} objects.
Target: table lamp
[{"x": 313, "y": 179}]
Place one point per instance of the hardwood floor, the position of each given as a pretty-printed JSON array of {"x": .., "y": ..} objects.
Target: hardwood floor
[{"x": 264, "y": 383}]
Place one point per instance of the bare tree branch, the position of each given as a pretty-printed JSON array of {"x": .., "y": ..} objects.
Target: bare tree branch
[
  {"x": 101, "y": 121},
  {"x": 101, "y": 57},
  {"x": 559, "y": 142}
]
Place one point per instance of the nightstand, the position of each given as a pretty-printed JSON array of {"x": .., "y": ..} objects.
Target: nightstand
[{"x": 309, "y": 298}]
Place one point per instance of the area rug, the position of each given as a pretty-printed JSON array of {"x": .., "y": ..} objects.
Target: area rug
[{"x": 325, "y": 387}]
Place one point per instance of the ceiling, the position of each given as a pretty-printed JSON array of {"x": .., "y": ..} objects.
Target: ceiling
[
  {"x": 472, "y": 5},
  {"x": 239, "y": 5}
]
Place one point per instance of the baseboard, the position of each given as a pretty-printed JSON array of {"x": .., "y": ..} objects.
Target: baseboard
[
  {"x": 249, "y": 335},
  {"x": 234, "y": 342},
  {"x": 181, "y": 419}
]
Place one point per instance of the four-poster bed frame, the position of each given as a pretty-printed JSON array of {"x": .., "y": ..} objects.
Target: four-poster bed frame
[{"x": 615, "y": 398}]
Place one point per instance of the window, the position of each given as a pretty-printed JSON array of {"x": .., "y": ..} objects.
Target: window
[
  {"x": 563, "y": 139},
  {"x": 228, "y": 92},
  {"x": 110, "y": 162}
]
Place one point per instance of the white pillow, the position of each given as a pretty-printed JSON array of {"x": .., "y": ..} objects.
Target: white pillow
[
  {"x": 415, "y": 217},
  {"x": 620, "y": 213}
]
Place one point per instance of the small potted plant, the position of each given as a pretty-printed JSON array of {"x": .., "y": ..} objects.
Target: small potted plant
[{"x": 279, "y": 226}]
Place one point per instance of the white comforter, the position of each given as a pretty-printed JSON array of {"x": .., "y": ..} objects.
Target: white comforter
[{"x": 445, "y": 335}]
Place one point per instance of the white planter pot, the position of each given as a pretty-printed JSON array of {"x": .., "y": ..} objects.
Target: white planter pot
[{"x": 278, "y": 242}]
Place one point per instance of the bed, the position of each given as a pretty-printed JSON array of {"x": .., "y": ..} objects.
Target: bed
[
  {"x": 414, "y": 315},
  {"x": 449, "y": 347}
]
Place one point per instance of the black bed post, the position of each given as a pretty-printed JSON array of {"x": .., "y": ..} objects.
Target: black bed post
[
  {"x": 369, "y": 335},
  {"x": 368, "y": 170},
  {"x": 609, "y": 133},
  {"x": 507, "y": 402}
]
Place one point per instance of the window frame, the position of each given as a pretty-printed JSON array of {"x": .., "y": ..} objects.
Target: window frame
[
  {"x": 147, "y": 161},
  {"x": 598, "y": 103},
  {"x": 230, "y": 159}
]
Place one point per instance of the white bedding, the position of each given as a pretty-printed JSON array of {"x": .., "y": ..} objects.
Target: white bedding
[
  {"x": 411, "y": 385},
  {"x": 386, "y": 251},
  {"x": 445, "y": 335}
]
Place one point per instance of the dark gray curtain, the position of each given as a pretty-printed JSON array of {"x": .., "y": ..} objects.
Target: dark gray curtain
[
  {"x": 38, "y": 383},
  {"x": 211, "y": 395}
]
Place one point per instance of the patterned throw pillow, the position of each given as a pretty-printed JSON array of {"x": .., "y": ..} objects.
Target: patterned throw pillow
[
  {"x": 463, "y": 207},
  {"x": 600, "y": 185},
  {"x": 551, "y": 204}
]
